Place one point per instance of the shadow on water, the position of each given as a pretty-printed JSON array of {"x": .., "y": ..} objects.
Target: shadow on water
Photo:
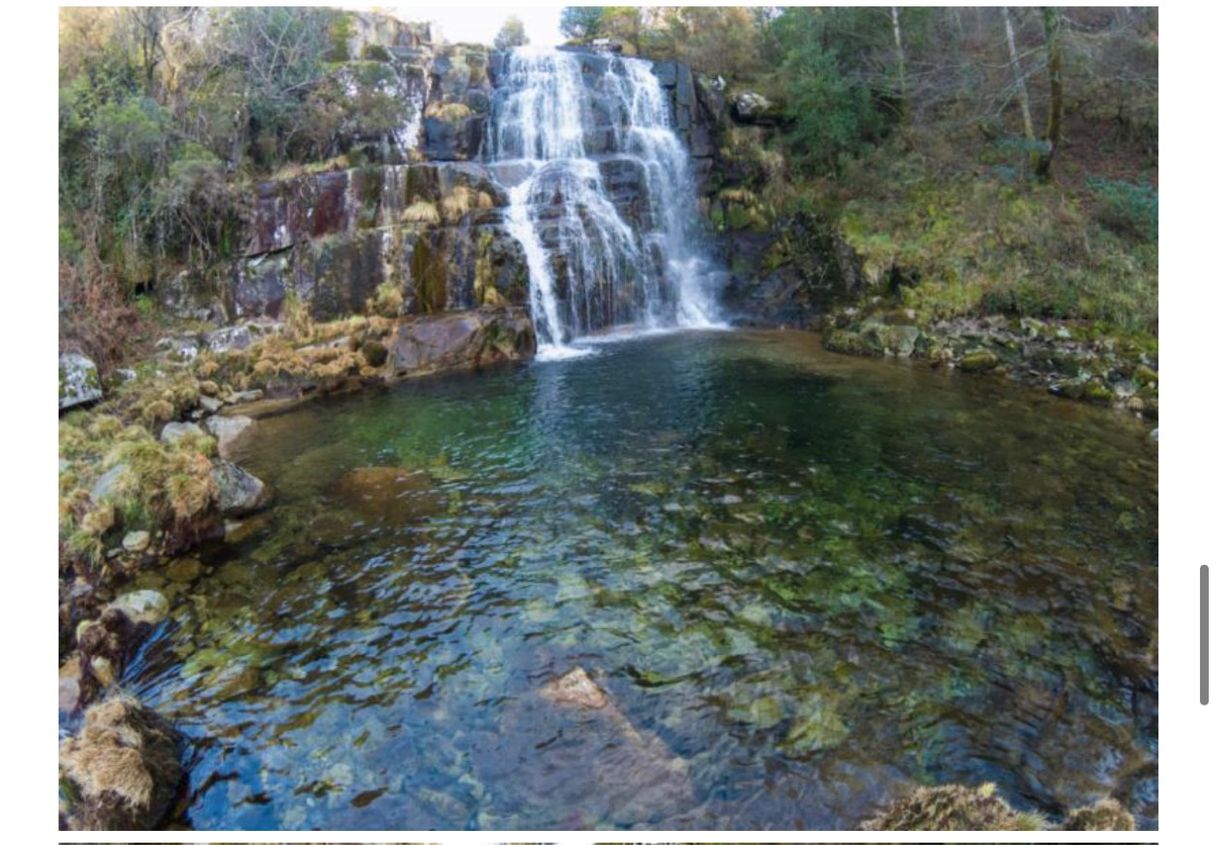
[{"x": 804, "y": 581}]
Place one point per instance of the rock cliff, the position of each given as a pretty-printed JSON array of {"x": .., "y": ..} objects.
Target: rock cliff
[{"x": 425, "y": 212}]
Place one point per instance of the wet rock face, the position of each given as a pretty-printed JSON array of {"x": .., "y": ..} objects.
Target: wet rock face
[
  {"x": 459, "y": 104},
  {"x": 122, "y": 768},
  {"x": 434, "y": 231},
  {"x": 433, "y": 228}
]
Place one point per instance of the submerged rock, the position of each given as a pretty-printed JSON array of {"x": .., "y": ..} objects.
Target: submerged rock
[
  {"x": 394, "y": 495},
  {"x": 121, "y": 772},
  {"x": 79, "y": 382},
  {"x": 576, "y": 688},
  {"x": 228, "y": 431},
  {"x": 240, "y": 492},
  {"x": 607, "y": 770}
]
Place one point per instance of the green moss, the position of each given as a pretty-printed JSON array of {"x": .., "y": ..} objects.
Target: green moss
[
  {"x": 374, "y": 53},
  {"x": 1096, "y": 391},
  {"x": 429, "y": 270},
  {"x": 978, "y": 361}
]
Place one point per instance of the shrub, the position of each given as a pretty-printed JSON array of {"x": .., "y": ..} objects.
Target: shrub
[
  {"x": 1127, "y": 209},
  {"x": 374, "y": 53},
  {"x": 386, "y": 302}
]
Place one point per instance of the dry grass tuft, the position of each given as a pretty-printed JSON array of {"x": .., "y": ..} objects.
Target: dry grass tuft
[
  {"x": 124, "y": 762},
  {"x": 421, "y": 212},
  {"x": 457, "y": 204},
  {"x": 953, "y": 807}
]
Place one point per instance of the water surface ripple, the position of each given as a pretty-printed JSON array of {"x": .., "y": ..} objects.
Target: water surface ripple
[{"x": 804, "y": 580}]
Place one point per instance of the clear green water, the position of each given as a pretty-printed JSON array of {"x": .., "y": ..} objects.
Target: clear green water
[{"x": 804, "y": 580}]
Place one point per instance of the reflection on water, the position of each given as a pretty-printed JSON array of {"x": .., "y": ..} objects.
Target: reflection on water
[{"x": 803, "y": 580}]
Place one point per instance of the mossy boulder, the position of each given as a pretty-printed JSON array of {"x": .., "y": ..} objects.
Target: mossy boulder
[
  {"x": 238, "y": 492},
  {"x": 978, "y": 361},
  {"x": 848, "y": 342},
  {"x": 1095, "y": 390}
]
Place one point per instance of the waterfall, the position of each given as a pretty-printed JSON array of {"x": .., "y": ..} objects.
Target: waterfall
[{"x": 602, "y": 196}]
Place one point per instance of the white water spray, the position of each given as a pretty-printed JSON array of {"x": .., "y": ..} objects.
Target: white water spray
[{"x": 604, "y": 207}]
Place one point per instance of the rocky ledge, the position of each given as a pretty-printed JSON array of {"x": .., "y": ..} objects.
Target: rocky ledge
[{"x": 1067, "y": 360}]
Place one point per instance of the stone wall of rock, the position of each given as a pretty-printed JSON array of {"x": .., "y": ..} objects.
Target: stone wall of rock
[
  {"x": 431, "y": 225},
  {"x": 433, "y": 231}
]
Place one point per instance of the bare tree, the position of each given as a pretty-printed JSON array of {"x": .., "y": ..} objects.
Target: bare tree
[
  {"x": 1021, "y": 86},
  {"x": 902, "y": 87}
]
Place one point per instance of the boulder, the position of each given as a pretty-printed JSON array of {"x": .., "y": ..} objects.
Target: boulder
[
  {"x": 137, "y": 541},
  {"x": 122, "y": 770},
  {"x": 70, "y": 685},
  {"x": 978, "y": 361},
  {"x": 142, "y": 606},
  {"x": 228, "y": 431},
  {"x": 240, "y": 492},
  {"x": 210, "y": 404},
  {"x": 751, "y": 107},
  {"x": 175, "y": 431},
  {"x": 79, "y": 382},
  {"x": 111, "y": 482},
  {"x": 461, "y": 340},
  {"x": 229, "y": 337}
]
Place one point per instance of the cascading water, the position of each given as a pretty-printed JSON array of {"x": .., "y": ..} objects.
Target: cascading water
[{"x": 603, "y": 196}]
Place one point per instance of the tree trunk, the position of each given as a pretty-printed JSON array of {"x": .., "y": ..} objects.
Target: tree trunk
[
  {"x": 1021, "y": 90},
  {"x": 1053, "y": 129},
  {"x": 902, "y": 90}
]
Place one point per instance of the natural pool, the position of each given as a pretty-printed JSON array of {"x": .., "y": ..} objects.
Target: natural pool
[{"x": 803, "y": 579}]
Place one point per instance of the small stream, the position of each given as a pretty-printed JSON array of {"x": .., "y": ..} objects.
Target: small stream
[{"x": 804, "y": 581}]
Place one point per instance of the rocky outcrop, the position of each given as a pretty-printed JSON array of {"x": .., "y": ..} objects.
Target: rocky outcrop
[
  {"x": 787, "y": 275},
  {"x": 79, "y": 383},
  {"x": 1042, "y": 353},
  {"x": 238, "y": 492},
  {"x": 121, "y": 771},
  {"x": 433, "y": 232},
  {"x": 459, "y": 104},
  {"x": 461, "y": 341},
  {"x": 426, "y": 220}
]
